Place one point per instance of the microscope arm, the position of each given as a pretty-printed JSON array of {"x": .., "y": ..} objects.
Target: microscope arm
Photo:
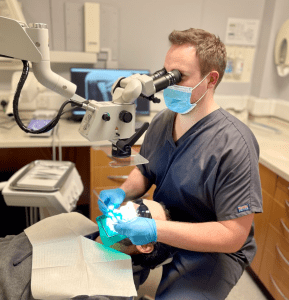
[{"x": 19, "y": 41}]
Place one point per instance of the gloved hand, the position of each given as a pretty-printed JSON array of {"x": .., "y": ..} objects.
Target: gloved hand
[
  {"x": 112, "y": 198},
  {"x": 139, "y": 230}
]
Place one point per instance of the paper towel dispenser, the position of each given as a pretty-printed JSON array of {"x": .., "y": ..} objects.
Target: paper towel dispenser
[{"x": 282, "y": 50}]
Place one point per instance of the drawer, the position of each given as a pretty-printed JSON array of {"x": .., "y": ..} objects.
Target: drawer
[
  {"x": 98, "y": 158},
  {"x": 283, "y": 185},
  {"x": 261, "y": 225},
  {"x": 284, "y": 228},
  {"x": 272, "y": 269},
  {"x": 281, "y": 196},
  {"x": 275, "y": 239},
  {"x": 282, "y": 259},
  {"x": 107, "y": 176},
  {"x": 276, "y": 290},
  {"x": 268, "y": 180},
  {"x": 279, "y": 219}
]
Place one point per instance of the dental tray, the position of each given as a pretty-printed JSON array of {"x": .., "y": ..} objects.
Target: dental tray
[{"x": 43, "y": 176}]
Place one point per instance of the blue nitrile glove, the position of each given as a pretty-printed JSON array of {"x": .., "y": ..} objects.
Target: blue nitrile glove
[
  {"x": 139, "y": 230},
  {"x": 112, "y": 198}
]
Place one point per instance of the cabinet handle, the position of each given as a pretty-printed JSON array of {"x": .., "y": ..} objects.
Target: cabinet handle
[
  {"x": 117, "y": 177},
  {"x": 277, "y": 288},
  {"x": 281, "y": 256},
  {"x": 284, "y": 229},
  {"x": 287, "y": 207}
]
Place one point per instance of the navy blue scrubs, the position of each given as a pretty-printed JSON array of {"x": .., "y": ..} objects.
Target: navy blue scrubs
[{"x": 210, "y": 174}]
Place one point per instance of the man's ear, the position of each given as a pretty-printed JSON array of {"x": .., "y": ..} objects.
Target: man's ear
[
  {"x": 213, "y": 77},
  {"x": 147, "y": 248}
]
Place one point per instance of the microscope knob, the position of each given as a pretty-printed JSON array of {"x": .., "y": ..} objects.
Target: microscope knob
[
  {"x": 106, "y": 117},
  {"x": 125, "y": 116}
]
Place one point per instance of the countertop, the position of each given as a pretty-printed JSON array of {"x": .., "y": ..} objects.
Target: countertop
[
  {"x": 273, "y": 139},
  {"x": 68, "y": 135}
]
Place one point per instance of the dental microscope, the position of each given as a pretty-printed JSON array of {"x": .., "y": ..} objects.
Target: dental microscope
[{"x": 113, "y": 121}]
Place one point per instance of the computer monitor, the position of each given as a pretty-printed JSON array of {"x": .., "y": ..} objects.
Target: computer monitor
[{"x": 96, "y": 84}]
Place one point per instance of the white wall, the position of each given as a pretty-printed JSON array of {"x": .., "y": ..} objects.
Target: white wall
[
  {"x": 145, "y": 26},
  {"x": 215, "y": 16},
  {"x": 142, "y": 28},
  {"x": 267, "y": 83}
]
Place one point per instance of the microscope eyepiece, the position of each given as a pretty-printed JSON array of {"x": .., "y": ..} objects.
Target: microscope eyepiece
[
  {"x": 159, "y": 74},
  {"x": 167, "y": 79},
  {"x": 174, "y": 77}
]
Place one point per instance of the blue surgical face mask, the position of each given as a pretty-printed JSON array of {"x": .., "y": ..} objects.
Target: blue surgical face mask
[{"x": 178, "y": 98}]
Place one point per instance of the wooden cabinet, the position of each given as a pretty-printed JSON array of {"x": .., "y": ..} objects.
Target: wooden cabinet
[
  {"x": 271, "y": 262},
  {"x": 261, "y": 227},
  {"x": 268, "y": 183},
  {"x": 104, "y": 177}
]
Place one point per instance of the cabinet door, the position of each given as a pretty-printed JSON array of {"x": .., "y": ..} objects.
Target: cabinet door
[
  {"x": 282, "y": 196},
  {"x": 278, "y": 217},
  {"x": 268, "y": 180},
  {"x": 274, "y": 276},
  {"x": 283, "y": 185},
  {"x": 261, "y": 227}
]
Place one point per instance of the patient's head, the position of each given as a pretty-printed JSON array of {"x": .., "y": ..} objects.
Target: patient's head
[{"x": 151, "y": 254}]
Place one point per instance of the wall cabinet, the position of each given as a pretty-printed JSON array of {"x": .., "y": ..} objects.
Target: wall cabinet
[
  {"x": 271, "y": 263},
  {"x": 105, "y": 177}
]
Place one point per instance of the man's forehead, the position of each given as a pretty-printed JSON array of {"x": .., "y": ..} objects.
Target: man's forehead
[{"x": 180, "y": 57}]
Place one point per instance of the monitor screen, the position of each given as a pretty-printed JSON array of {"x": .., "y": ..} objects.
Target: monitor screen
[{"x": 95, "y": 84}]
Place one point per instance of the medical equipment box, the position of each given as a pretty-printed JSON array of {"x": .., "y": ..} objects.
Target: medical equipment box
[{"x": 45, "y": 183}]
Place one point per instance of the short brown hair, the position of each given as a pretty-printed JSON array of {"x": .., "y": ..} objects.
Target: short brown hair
[{"x": 210, "y": 50}]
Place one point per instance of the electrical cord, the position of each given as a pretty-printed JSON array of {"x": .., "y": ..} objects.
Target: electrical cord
[{"x": 20, "y": 85}]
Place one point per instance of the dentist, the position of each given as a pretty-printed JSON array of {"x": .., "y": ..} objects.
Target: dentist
[{"x": 204, "y": 163}]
